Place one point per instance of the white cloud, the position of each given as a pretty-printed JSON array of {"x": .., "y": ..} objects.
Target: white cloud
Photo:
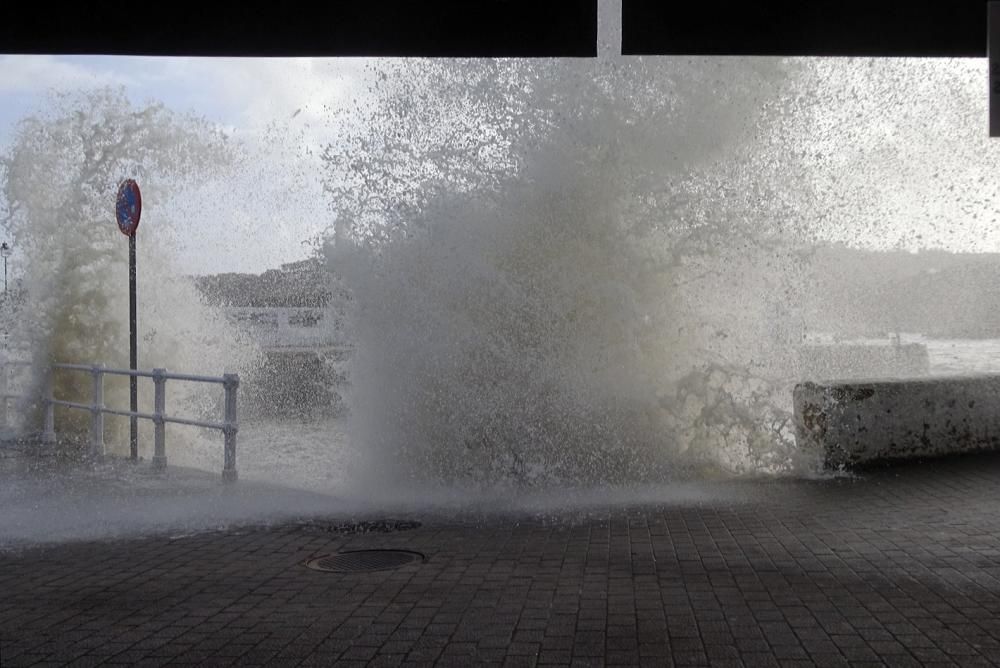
[
  {"x": 247, "y": 93},
  {"x": 252, "y": 92},
  {"x": 38, "y": 74},
  {"x": 261, "y": 214}
]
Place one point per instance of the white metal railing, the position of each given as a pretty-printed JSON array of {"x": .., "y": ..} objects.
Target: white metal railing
[
  {"x": 229, "y": 426},
  {"x": 6, "y": 366}
]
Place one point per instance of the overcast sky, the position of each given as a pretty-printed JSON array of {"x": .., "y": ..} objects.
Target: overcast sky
[
  {"x": 241, "y": 94},
  {"x": 924, "y": 180},
  {"x": 266, "y": 228}
]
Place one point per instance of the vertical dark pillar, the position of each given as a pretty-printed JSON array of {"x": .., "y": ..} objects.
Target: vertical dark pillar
[{"x": 133, "y": 352}]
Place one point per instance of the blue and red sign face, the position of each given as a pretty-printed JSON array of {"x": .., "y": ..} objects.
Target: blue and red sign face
[{"x": 128, "y": 207}]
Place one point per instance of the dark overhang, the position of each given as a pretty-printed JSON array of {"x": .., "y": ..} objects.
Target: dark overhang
[
  {"x": 485, "y": 28},
  {"x": 878, "y": 28},
  {"x": 474, "y": 28}
]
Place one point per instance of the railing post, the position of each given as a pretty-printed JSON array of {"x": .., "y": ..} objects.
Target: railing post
[
  {"x": 159, "y": 426},
  {"x": 49, "y": 430},
  {"x": 4, "y": 389},
  {"x": 231, "y": 382},
  {"x": 97, "y": 412}
]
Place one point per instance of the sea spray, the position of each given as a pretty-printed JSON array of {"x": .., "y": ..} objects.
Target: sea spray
[
  {"x": 593, "y": 313},
  {"x": 62, "y": 170}
]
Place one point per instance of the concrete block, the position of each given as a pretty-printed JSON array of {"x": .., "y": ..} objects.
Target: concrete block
[
  {"x": 821, "y": 361},
  {"x": 859, "y": 422}
]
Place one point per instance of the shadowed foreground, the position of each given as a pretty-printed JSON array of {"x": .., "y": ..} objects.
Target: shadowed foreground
[{"x": 900, "y": 567}]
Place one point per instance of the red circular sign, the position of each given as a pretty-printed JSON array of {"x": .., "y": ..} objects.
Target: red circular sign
[{"x": 128, "y": 207}]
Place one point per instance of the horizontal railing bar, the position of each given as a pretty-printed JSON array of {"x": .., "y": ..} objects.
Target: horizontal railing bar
[
  {"x": 145, "y": 374},
  {"x": 14, "y": 363},
  {"x": 115, "y": 411},
  {"x": 195, "y": 423},
  {"x": 197, "y": 379},
  {"x": 87, "y": 367},
  {"x": 71, "y": 404},
  {"x": 147, "y": 416},
  {"x": 121, "y": 372}
]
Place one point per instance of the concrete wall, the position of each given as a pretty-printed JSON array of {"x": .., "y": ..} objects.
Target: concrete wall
[{"x": 858, "y": 422}]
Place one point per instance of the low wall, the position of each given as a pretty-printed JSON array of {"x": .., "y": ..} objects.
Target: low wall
[{"x": 859, "y": 422}]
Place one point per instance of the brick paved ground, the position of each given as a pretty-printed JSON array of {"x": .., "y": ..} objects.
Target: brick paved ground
[{"x": 898, "y": 568}]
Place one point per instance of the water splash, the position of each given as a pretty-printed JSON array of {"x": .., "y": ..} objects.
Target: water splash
[
  {"x": 562, "y": 272},
  {"x": 62, "y": 171},
  {"x": 586, "y": 303}
]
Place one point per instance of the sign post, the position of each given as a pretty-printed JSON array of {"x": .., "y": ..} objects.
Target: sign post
[{"x": 128, "y": 207}]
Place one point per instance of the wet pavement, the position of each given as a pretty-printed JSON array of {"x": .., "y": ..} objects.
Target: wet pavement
[
  {"x": 893, "y": 567},
  {"x": 55, "y": 499}
]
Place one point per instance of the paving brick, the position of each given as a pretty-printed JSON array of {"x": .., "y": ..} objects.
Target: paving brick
[{"x": 889, "y": 568}]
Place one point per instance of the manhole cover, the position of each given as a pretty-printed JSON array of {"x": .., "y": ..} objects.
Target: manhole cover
[{"x": 364, "y": 560}]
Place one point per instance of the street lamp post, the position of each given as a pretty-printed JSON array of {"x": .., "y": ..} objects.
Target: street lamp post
[{"x": 5, "y": 251}]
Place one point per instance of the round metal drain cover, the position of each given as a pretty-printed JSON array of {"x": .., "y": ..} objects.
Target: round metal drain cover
[{"x": 361, "y": 561}]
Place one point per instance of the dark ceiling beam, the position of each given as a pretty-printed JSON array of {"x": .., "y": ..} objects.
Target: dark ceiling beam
[
  {"x": 456, "y": 28},
  {"x": 484, "y": 28},
  {"x": 885, "y": 28}
]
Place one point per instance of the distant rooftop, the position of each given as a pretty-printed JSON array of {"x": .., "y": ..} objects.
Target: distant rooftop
[{"x": 306, "y": 283}]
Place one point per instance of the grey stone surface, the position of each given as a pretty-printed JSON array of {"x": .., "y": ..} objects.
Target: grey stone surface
[
  {"x": 898, "y": 568},
  {"x": 824, "y": 361},
  {"x": 860, "y": 422}
]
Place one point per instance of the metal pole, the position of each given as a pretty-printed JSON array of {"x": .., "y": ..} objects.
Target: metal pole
[
  {"x": 159, "y": 426},
  {"x": 4, "y": 388},
  {"x": 133, "y": 353},
  {"x": 49, "y": 431},
  {"x": 230, "y": 382},
  {"x": 97, "y": 413},
  {"x": 5, "y": 274}
]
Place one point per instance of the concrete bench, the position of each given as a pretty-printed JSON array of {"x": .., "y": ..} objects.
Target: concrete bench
[{"x": 861, "y": 422}]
